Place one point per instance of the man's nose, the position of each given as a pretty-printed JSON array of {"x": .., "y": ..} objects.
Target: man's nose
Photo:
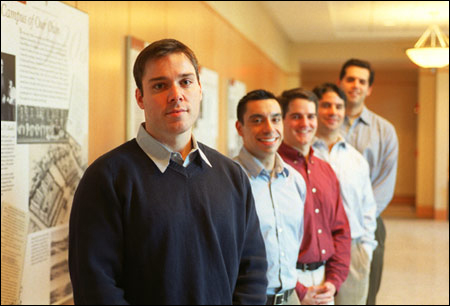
[{"x": 175, "y": 94}]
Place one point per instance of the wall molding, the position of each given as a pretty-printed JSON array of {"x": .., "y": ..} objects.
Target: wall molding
[
  {"x": 426, "y": 212},
  {"x": 403, "y": 201},
  {"x": 441, "y": 214}
]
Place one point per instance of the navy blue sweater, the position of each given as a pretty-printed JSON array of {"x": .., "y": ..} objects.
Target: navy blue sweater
[{"x": 187, "y": 236}]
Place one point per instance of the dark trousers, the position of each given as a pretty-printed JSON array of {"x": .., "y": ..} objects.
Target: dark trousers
[{"x": 376, "y": 267}]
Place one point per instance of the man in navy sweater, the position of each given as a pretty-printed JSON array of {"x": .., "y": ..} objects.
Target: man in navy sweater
[{"x": 163, "y": 219}]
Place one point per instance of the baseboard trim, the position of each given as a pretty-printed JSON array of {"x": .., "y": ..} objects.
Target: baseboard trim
[
  {"x": 441, "y": 214},
  {"x": 403, "y": 201},
  {"x": 425, "y": 212}
]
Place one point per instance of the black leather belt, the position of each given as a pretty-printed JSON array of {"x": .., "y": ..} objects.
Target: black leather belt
[
  {"x": 310, "y": 266},
  {"x": 279, "y": 298}
]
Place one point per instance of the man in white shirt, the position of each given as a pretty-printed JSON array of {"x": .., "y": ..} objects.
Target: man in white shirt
[
  {"x": 278, "y": 189},
  {"x": 352, "y": 171},
  {"x": 376, "y": 139}
]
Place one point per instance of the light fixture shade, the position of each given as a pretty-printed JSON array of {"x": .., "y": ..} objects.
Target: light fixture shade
[{"x": 429, "y": 57}]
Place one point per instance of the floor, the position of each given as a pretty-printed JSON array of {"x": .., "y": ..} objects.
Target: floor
[{"x": 416, "y": 268}]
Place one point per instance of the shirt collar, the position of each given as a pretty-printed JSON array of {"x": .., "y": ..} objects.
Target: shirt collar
[
  {"x": 317, "y": 142},
  {"x": 364, "y": 117},
  {"x": 161, "y": 154},
  {"x": 292, "y": 153},
  {"x": 256, "y": 168}
]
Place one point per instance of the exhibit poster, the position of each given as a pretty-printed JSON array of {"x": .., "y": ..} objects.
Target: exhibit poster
[
  {"x": 135, "y": 115},
  {"x": 206, "y": 129},
  {"x": 44, "y": 144},
  {"x": 236, "y": 90}
]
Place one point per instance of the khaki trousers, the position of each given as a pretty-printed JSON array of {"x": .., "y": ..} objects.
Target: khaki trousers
[
  {"x": 376, "y": 267},
  {"x": 312, "y": 278},
  {"x": 355, "y": 288}
]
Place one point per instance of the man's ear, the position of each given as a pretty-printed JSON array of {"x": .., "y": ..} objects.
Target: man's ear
[
  {"x": 369, "y": 91},
  {"x": 239, "y": 127},
  {"x": 139, "y": 98}
]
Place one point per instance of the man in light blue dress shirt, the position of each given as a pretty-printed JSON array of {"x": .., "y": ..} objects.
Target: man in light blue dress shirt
[
  {"x": 278, "y": 189},
  {"x": 353, "y": 172},
  {"x": 375, "y": 138}
]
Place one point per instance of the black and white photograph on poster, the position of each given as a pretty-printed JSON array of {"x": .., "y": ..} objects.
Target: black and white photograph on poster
[
  {"x": 54, "y": 172},
  {"x": 61, "y": 287},
  {"x": 8, "y": 87},
  {"x": 41, "y": 124}
]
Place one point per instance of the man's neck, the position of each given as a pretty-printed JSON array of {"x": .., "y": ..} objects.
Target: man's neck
[
  {"x": 330, "y": 138},
  {"x": 268, "y": 162},
  {"x": 181, "y": 143},
  {"x": 353, "y": 111},
  {"x": 303, "y": 149}
]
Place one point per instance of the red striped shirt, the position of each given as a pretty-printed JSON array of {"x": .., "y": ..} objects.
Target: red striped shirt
[{"x": 326, "y": 229}]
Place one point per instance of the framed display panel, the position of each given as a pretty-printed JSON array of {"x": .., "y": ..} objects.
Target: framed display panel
[
  {"x": 236, "y": 90},
  {"x": 135, "y": 115},
  {"x": 45, "y": 105}
]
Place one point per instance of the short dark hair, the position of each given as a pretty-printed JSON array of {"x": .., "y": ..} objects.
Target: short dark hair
[
  {"x": 258, "y": 94},
  {"x": 358, "y": 63},
  {"x": 330, "y": 87},
  {"x": 296, "y": 93},
  {"x": 159, "y": 49}
]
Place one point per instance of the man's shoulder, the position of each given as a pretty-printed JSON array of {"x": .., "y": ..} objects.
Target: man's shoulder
[
  {"x": 295, "y": 176},
  {"x": 381, "y": 121},
  {"x": 123, "y": 155},
  {"x": 356, "y": 158},
  {"x": 325, "y": 167},
  {"x": 217, "y": 159},
  {"x": 293, "y": 172}
]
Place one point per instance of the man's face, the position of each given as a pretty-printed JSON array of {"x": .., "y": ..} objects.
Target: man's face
[
  {"x": 171, "y": 96},
  {"x": 262, "y": 130},
  {"x": 300, "y": 123},
  {"x": 331, "y": 112},
  {"x": 355, "y": 84}
]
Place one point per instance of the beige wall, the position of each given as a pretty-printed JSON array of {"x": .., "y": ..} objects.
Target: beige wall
[
  {"x": 394, "y": 97},
  {"x": 227, "y": 39},
  {"x": 433, "y": 144},
  {"x": 442, "y": 145},
  {"x": 217, "y": 44},
  {"x": 426, "y": 143},
  {"x": 326, "y": 55}
]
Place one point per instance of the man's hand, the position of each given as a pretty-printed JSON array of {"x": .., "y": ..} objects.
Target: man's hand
[{"x": 319, "y": 295}]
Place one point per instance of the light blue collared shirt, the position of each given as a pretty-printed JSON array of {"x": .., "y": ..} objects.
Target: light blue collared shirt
[
  {"x": 279, "y": 200},
  {"x": 375, "y": 138},
  {"x": 352, "y": 171},
  {"x": 161, "y": 154}
]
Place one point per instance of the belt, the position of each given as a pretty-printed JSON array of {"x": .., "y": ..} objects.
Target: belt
[
  {"x": 310, "y": 266},
  {"x": 279, "y": 298}
]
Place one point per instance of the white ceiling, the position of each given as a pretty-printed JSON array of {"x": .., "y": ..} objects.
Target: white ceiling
[{"x": 304, "y": 21}]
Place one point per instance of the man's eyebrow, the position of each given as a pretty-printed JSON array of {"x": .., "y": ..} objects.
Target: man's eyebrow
[
  {"x": 163, "y": 78},
  {"x": 256, "y": 116},
  {"x": 264, "y": 116}
]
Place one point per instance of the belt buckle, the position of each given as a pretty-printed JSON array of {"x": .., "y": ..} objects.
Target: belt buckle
[
  {"x": 278, "y": 299},
  {"x": 305, "y": 267}
]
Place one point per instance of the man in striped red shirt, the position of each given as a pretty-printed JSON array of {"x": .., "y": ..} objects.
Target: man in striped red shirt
[{"x": 324, "y": 257}]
